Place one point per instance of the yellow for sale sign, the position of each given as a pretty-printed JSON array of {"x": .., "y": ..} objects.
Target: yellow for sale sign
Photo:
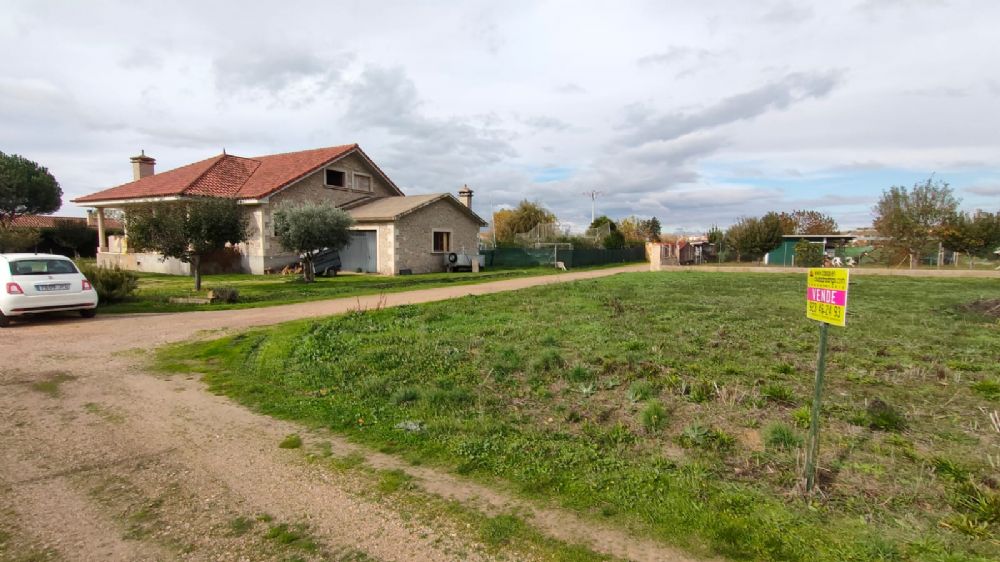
[{"x": 826, "y": 295}]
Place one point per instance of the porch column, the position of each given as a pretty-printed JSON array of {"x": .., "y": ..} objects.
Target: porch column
[{"x": 102, "y": 240}]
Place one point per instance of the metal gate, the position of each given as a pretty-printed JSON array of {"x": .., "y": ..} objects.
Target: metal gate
[{"x": 361, "y": 252}]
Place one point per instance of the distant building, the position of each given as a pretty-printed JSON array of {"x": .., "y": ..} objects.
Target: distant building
[{"x": 785, "y": 253}]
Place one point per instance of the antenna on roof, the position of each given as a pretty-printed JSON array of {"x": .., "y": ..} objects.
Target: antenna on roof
[{"x": 223, "y": 151}]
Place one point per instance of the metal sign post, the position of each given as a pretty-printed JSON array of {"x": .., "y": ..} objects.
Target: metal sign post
[{"x": 826, "y": 301}]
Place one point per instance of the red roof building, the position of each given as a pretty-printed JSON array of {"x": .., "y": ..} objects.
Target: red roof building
[{"x": 393, "y": 232}]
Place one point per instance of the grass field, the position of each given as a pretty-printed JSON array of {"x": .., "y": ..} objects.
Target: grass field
[
  {"x": 672, "y": 404},
  {"x": 155, "y": 290}
]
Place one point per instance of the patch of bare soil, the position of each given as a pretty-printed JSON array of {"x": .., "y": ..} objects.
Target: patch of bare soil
[{"x": 986, "y": 307}]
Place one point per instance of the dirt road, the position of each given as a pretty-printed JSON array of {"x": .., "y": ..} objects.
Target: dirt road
[{"x": 105, "y": 461}]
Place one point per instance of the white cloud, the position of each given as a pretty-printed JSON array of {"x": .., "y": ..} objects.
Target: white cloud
[{"x": 695, "y": 112}]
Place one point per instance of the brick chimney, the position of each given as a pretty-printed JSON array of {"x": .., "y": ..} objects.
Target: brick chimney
[
  {"x": 142, "y": 166},
  {"x": 465, "y": 196}
]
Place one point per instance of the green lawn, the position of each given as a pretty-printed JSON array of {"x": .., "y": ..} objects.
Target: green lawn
[
  {"x": 672, "y": 404},
  {"x": 155, "y": 290}
]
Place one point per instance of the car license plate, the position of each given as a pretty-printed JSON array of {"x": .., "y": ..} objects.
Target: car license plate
[{"x": 53, "y": 287}]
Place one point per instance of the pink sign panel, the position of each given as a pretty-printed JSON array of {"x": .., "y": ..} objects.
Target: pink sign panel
[{"x": 827, "y": 296}]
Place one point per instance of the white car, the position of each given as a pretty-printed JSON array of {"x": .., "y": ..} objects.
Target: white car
[{"x": 37, "y": 283}]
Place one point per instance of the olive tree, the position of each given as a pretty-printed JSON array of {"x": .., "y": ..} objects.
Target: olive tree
[
  {"x": 25, "y": 189},
  {"x": 187, "y": 230},
  {"x": 308, "y": 228}
]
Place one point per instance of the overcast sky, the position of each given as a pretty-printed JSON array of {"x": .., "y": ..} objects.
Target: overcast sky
[{"x": 694, "y": 112}]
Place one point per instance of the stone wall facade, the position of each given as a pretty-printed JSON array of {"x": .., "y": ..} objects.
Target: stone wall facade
[
  {"x": 263, "y": 251},
  {"x": 413, "y": 247}
]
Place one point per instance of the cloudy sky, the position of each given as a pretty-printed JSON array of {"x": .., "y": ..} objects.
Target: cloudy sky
[{"x": 694, "y": 112}]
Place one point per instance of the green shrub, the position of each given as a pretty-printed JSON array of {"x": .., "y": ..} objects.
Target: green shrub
[
  {"x": 292, "y": 441},
  {"x": 778, "y": 392},
  {"x": 884, "y": 417},
  {"x": 112, "y": 284},
  {"x": 808, "y": 254},
  {"x": 988, "y": 389},
  {"x": 639, "y": 391},
  {"x": 228, "y": 295},
  {"x": 653, "y": 416},
  {"x": 780, "y": 436}
]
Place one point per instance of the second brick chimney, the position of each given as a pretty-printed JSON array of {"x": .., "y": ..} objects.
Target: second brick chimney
[{"x": 142, "y": 166}]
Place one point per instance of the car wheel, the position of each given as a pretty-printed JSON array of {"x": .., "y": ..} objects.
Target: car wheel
[
  {"x": 88, "y": 313},
  {"x": 4, "y": 321}
]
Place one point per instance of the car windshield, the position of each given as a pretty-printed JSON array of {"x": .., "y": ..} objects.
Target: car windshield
[{"x": 42, "y": 266}]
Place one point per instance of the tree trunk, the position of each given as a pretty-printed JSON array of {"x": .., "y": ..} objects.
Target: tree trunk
[
  {"x": 196, "y": 263},
  {"x": 308, "y": 274}
]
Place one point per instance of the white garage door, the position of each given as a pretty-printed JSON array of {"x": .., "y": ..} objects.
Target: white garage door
[{"x": 361, "y": 252}]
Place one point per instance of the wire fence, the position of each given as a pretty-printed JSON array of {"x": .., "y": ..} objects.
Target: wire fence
[{"x": 576, "y": 257}]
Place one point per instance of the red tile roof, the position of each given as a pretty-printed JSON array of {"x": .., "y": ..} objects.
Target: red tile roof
[
  {"x": 231, "y": 176},
  {"x": 48, "y": 221}
]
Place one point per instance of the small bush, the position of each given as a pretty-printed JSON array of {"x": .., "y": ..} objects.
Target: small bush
[
  {"x": 884, "y": 417},
  {"x": 405, "y": 395},
  {"x": 988, "y": 389},
  {"x": 639, "y": 391},
  {"x": 781, "y": 436},
  {"x": 777, "y": 392},
  {"x": 228, "y": 295},
  {"x": 292, "y": 441},
  {"x": 111, "y": 284},
  {"x": 653, "y": 416}
]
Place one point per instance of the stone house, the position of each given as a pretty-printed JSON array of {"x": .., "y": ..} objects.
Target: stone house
[{"x": 393, "y": 232}]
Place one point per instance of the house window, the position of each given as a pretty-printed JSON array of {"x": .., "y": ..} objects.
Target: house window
[
  {"x": 336, "y": 178},
  {"x": 442, "y": 241},
  {"x": 362, "y": 182}
]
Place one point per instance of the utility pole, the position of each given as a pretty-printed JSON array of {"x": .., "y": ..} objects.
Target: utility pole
[{"x": 593, "y": 203}]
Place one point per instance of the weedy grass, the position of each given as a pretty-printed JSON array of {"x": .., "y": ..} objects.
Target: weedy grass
[
  {"x": 497, "y": 400},
  {"x": 51, "y": 383},
  {"x": 292, "y": 441},
  {"x": 778, "y": 435}
]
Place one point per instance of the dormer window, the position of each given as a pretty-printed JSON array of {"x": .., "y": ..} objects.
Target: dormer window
[{"x": 336, "y": 178}]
